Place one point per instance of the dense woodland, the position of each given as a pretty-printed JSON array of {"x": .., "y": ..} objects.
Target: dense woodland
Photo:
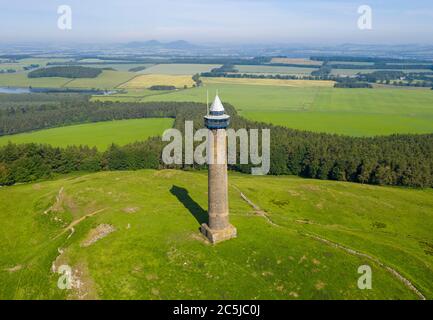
[
  {"x": 405, "y": 160},
  {"x": 66, "y": 72}
]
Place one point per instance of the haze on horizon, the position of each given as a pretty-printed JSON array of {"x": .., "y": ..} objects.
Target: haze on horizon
[{"x": 210, "y": 21}]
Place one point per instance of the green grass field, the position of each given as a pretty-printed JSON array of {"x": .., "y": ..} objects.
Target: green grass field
[
  {"x": 106, "y": 80},
  {"x": 156, "y": 251},
  {"x": 99, "y": 134},
  {"x": 355, "y": 112}
]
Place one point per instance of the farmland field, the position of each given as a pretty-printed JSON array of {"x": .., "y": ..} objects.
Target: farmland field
[
  {"x": 149, "y": 80},
  {"x": 299, "y": 104},
  {"x": 154, "y": 250},
  {"x": 296, "y": 61},
  {"x": 355, "y": 112},
  {"x": 99, "y": 134},
  {"x": 106, "y": 80}
]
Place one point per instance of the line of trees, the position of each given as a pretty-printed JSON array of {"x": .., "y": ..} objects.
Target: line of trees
[{"x": 404, "y": 160}]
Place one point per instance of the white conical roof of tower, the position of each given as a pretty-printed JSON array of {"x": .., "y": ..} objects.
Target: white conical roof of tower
[{"x": 217, "y": 105}]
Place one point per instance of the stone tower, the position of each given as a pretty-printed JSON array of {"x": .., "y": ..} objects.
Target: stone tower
[{"x": 219, "y": 227}]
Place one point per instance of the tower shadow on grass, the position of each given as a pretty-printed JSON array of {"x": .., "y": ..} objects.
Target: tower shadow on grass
[{"x": 194, "y": 208}]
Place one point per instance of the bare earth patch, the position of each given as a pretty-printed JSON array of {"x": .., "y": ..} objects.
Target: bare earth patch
[
  {"x": 130, "y": 209},
  {"x": 98, "y": 233},
  {"x": 58, "y": 204},
  {"x": 83, "y": 286},
  {"x": 293, "y": 193},
  {"x": 62, "y": 203},
  {"x": 14, "y": 269},
  {"x": 320, "y": 285}
]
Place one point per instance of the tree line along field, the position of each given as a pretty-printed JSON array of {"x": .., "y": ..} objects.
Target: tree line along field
[
  {"x": 100, "y": 134},
  {"x": 153, "y": 249}
]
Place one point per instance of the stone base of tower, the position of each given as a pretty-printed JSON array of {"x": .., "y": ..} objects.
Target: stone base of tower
[{"x": 215, "y": 236}]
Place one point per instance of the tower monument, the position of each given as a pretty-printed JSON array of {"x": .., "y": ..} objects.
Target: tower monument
[{"x": 219, "y": 228}]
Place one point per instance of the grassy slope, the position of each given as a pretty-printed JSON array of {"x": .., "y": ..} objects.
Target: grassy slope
[
  {"x": 356, "y": 112},
  {"x": 99, "y": 134},
  {"x": 156, "y": 252}
]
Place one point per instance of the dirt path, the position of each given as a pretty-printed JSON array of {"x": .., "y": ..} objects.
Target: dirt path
[
  {"x": 392, "y": 271},
  {"x": 75, "y": 222}
]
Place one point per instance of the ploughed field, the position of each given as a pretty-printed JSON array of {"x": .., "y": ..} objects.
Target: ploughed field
[{"x": 135, "y": 235}]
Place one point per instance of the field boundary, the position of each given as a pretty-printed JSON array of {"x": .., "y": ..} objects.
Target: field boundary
[{"x": 125, "y": 82}]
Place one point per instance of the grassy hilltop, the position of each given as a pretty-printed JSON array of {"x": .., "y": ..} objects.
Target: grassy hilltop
[{"x": 140, "y": 238}]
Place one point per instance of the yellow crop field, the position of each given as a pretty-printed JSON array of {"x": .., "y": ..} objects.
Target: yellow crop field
[
  {"x": 296, "y": 61},
  {"x": 271, "y": 82},
  {"x": 149, "y": 80}
]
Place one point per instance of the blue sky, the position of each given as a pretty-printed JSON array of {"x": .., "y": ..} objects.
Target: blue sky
[{"x": 206, "y": 21}]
